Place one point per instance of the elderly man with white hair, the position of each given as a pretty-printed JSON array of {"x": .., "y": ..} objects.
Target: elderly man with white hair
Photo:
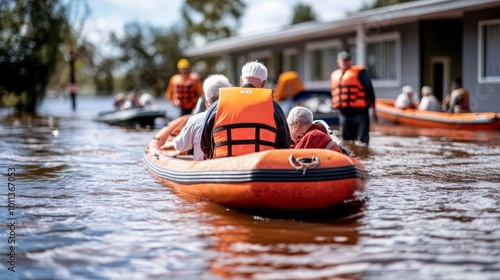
[
  {"x": 406, "y": 100},
  {"x": 190, "y": 135},
  {"x": 305, "y": 134},
  {"x": 429, "y": 102},
  {"x": 246, "y": 119}
]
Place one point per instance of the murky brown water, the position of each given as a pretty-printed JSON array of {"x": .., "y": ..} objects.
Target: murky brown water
[{"x": 85, "y": 208}]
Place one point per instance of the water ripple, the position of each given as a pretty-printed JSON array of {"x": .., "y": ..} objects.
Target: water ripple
[{"x": 87, "y": 209}]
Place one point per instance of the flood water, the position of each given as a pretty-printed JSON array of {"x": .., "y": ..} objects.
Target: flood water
[{"x": 85, "y": 208}]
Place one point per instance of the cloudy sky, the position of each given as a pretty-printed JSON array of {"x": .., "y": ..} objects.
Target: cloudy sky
[{"x": 259, "y": 15}]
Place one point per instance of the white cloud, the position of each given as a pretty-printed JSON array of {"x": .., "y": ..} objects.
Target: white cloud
[
  {"x": 141, "y": 5},
  {"x": 331, "y": 10},
  {"x": 111, "y": 16},
  {"x": 262, "y": 16},
  {"x": 259, "y": 15},
  {"x": 270, "y": 15}
]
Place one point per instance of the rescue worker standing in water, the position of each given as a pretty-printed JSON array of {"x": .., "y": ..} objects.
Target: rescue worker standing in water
[
  {"x": 184, "y": 88},
  {"x": 245, "y": 119},
  {"x": 353, "y": 95}
]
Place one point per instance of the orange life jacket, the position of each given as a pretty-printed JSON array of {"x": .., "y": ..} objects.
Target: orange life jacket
[
  {"x": 347, "y": 91},
  {"x": 244, "y": 122},
  {"x": 186, "y": 91}
]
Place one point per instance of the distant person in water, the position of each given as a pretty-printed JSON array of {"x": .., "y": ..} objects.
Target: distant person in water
[
  {"x": 119, "y": 101},
  {"x": 184, "y": 88},
  {"x": 146, "y": 101},
  {"x": 353, "y": 96},
  {"x": 132, "y": 101}
]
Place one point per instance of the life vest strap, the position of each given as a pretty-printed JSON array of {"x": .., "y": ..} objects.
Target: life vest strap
[
  {"x": 257, "y": 141},
  {"x": 246, "y": 125},
  {"x": 246, "y": 142}
]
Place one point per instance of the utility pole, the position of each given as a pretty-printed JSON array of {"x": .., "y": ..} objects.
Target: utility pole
[{"x": 72, "y": 86}]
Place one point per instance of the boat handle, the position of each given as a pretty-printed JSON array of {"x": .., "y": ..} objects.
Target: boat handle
[{"x": 304, "y": 163}]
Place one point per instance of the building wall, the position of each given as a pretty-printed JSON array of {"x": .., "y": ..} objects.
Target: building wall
[
  {"x": 420, "y": 42},
  {"x": 483, "y": 97}
]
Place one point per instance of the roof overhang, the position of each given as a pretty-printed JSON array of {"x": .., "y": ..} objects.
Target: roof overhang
[{"x": 382, "y": 17}]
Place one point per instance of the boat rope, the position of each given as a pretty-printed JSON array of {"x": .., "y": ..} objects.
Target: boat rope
[{"x": 304, "y": 163}]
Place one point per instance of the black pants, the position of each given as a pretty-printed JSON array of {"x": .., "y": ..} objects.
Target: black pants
[{"x": 355, "y": 126}]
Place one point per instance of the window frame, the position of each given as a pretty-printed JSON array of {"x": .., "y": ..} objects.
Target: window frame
[
  {"x": 309, "y": 48},
  {"x": 393, "y": 36},
  {"x": 287, "y": 53},
  {"x": 481, "y": 79}
]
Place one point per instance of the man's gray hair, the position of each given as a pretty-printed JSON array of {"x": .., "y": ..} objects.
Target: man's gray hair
[
  {"x": 211, "y": 87},
  {"x": 254, "y": 69},
  {"x": 426, "y": 90},
  {"x": 301, "y": 114}
]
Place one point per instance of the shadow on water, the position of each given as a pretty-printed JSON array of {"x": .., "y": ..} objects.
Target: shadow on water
[
  {"x": 270, "y": 245},
  {"x": 440, "y": 134}
]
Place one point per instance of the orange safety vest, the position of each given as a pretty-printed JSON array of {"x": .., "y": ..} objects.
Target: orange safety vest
[
  {"x": 244, "y": 122},
  {"x": 347, "y": 91},
  {"x": 186, "y": 91}
]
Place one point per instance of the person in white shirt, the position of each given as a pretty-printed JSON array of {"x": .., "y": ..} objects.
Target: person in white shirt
[
  {"x": 429, "y": 102},
  {"x": 406, "y": 100},
  {"x": 147, "y": 101},
  {"x": 190, "y": 135}
]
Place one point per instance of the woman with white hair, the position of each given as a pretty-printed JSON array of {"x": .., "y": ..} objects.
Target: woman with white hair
[
  {"x": 146, "y": 101},
  {"x": 190, "y": 135},
  {"x": 429, "y": 102},
  {"x": 406, "y": 100},
  {"x": 307, "y": 135}
]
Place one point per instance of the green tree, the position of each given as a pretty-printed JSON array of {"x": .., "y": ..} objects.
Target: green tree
[
  {"x": 209, "y": 20},
  {"x": 84, "y": 66},
  {"x": 31, "y": 34},
  {"x": 103, "y": 76},
  {"x": 148, "y": 57},
  {"x": 382, "y": 3},
  {"x": 212, "y": 20},
  {"x": 303, "y": 13}
]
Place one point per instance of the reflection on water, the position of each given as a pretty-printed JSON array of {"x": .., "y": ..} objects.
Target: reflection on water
[
  {"x": 87, "y": 209},
  {"x": 258, "y": 247}
]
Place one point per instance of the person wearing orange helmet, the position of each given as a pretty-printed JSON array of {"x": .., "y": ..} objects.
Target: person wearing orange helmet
[{"x": 184, "y": 88}]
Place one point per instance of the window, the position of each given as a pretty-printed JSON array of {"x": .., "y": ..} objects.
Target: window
[
  {"x": 263, "y": 57},
  {"x": 321, "y": 60},
  {"x": 290, "y": 60},
  {"x": 271, "y": 59},
  {"x": 383, "y": 59},
  {"x": 241, "y": 60},
  {"x": 489, "y": 54}
]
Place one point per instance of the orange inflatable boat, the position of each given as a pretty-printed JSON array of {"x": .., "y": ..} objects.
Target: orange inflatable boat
[
  {"x": 418, "y": 118},
  {"x": 285, "y": 179}
]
